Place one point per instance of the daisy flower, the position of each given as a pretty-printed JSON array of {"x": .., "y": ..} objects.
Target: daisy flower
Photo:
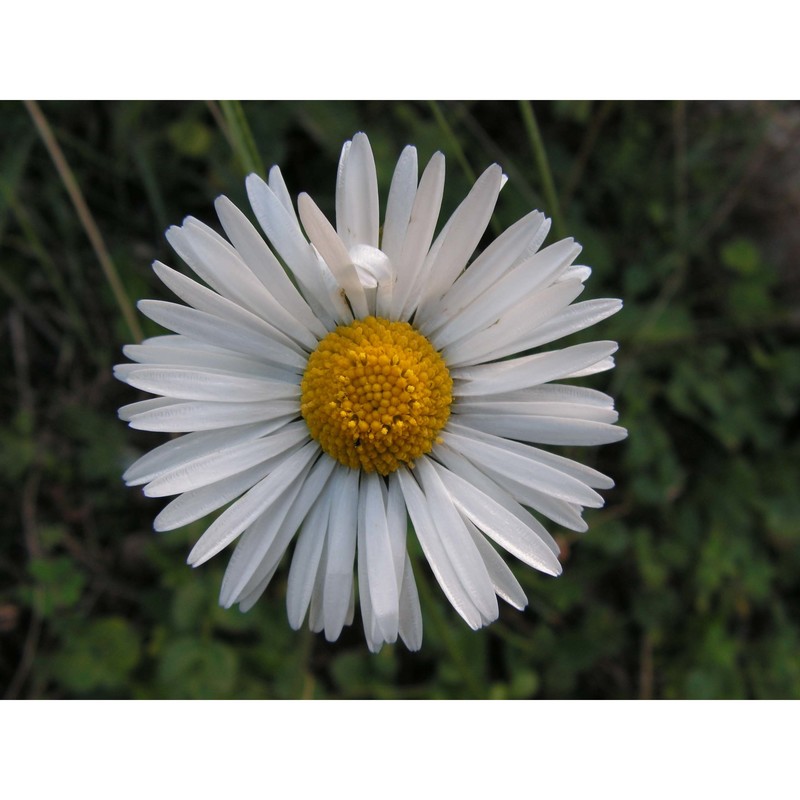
[{"x": 334, "y": 383}]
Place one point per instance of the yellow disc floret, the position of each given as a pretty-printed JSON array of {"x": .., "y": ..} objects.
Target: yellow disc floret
[{"x": 375, "y": 394}]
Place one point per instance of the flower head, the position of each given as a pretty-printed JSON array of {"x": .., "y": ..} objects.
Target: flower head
[{"x": 376, "y": 378}]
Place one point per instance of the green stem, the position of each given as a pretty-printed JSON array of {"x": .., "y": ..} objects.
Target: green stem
[
  {"x": 241, "y": 137},
  {"x": 543, "y": 165},
  {"x": 452, "y": 140},
  {"x": 455, "y": 146},
  {"x": 85, "y": 217},
  {"x": 65, "y": 297}
]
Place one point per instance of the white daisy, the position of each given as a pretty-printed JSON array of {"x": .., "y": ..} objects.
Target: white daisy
[{"x": 367, "y": 380}]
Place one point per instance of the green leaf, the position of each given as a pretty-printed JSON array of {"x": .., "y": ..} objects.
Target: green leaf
[
  {"x": 190, "y": 137},
  {"x": 197, "y": 669},
  {"x": 60, "y": 583},
  {"x": 100, "y": 656},
  {"x": 741, "y": 256}
]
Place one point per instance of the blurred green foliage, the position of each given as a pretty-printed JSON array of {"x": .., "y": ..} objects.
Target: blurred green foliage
[{"x": 686, "y": 585}]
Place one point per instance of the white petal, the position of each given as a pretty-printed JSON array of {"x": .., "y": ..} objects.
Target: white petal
[
  {"x": 500, "y": 525},
  {"x": 421, "y": 225},
  {"x": 210, "y": 302},
  {"x": 194, "y": 505},
  {"x": 502, "y": 254},
  {"x": 383, "y": 585},
  {"x": 524, "y": 488},
  {"x": 316, "y": 621},
  {"x": 222, "y": 333},
  {"x": 601, "y": 366},
  {"x": 520, "y": 373},
  {"x": 460, "y": 548},
  {"x": 549, "y": 393},
  {"x": 566, "y": 514},
  {"x": 194, "y": 383},
  {"x": 249, "y": 600},
  {"x": 503, "y": 580},
  {"x": 511, "y": 333},
  {"x": 580, "y": 272},
  {"x": 222, "y": 267},
  {"x": 291, "y": 307},
  {"x": 522, "y": 281},
  {"x": 399, "y": 203},
  {"x": 466, "y": 228},
  {"x": 546, "y": 430},
  {"x": 527, "y": 409},
  {"x": 289, "y": 242},
  {"x": 372, "y": 633},
  {"x": 176, "y": 416},
  {"x": 378, "y": 277},
  {"x": 397, "y": 520},
  {"x": 252, "y": 505},
  {"x": 506, "y": 462},
  {"x": 357, "y": 200},
  {"x": 306, "y": 559},
  {"x": 587, "y": 475},
  {"x": 334, "y": 251},
  {"x": 186, "y": 448},
  {"x": 278, "y": 186},
  {"x": 281, "y": 230},
  {"x": 435, "y": 553},
  {"x": 226, "y": 462},
  {"x": 482, "y": 481},
  {"x": 262, "y": 546},
  {"x": 342, "y": 533},
  {"x": 410, "y": 612},
  {"x": 182, "y": 241},
  {"x": 128, "y": 412},
  {"x": 572, "y": 319},
  {"x": 340, "y": 180},
  {"x": 183, "y": 352}
]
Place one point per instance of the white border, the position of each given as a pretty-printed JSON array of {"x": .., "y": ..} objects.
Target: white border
[
  {"x": 398, "y": 749},
  {"x": 416, "y": 49}
]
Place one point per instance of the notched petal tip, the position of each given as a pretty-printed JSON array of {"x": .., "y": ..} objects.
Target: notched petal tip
[
  {"x": 173, "y": 230},
  {"x": 127, "y": 480},
  {"x": 119, "y": 371}
]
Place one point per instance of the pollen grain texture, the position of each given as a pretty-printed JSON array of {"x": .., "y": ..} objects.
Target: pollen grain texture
[{"x": 375, "y": 394}]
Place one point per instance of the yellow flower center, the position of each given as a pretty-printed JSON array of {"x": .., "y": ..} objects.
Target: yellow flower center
[{"x": 375, "y": 394}]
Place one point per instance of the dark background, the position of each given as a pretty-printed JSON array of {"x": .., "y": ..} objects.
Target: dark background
[{"x": 685, "y": 586}]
